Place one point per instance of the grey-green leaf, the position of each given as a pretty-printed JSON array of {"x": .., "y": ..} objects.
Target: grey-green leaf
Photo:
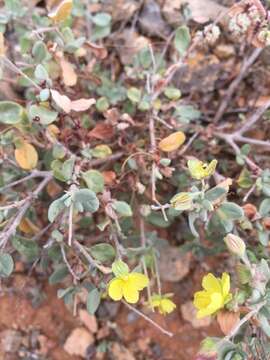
[
  {"x": 93, "y": 301},
  {"x": 230, "y": 211},
  {"x": 6, "y": 265},
  {"x": 264, "y": 209},
  {"x": 94, "y": 180},
  {"x": 45, "y": 115},
  {"x": 10, "y": 112},
  {"x": 103, "y": 252},
  {"x": 182, "y": 39},
  {"x": 86, "y": 200},
  {"x": 56, "y": 207},
  {"x": 122, "y": 208}
]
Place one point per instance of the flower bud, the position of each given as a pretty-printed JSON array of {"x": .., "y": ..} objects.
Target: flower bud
[{"x": 235, "y": 244}]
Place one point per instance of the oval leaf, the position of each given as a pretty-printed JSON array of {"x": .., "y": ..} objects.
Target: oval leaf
[
  {"x": 172, "y": 142},
  {"x": 26, "y": 156}
]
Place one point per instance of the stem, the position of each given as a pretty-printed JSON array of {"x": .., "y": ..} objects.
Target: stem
[{"x": 141, "y": 314}]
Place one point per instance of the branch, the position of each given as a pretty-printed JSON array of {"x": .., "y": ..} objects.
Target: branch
[
  {"x": 92, "y": 262},
  {"x": 234, "y": 84},
  {"x": 10, "y": 228},
  {"x": 141, "y": 314},
  {"x": 34, "y": 174}
]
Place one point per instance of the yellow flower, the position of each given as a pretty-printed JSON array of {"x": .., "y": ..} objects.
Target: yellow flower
[
  {"x": 199, "y": 170},
  {"x": 163, "y": 304},
  {"x": 215, "y": 296},
  {"x": 126, "y": 284}
]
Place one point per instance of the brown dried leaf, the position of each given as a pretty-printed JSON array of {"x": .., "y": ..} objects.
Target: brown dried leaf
[
  {"x": 28, "y": 227},
  {"x": 67, "y": 105},
  {"x": 99, "y": 51},
  {"x": 109, "y": 177},
  {"x": 61, "y": 11},
  {"x": 102, "y": 131},
  {"x": 227, "y": 320},
  {"x": 61, "y": 101},
  {"x": 68, "y": 73},
  {"x": 26, "y": 156},
  {"x": 82, "y": 104},
  {"x": 172, "y": 142}
]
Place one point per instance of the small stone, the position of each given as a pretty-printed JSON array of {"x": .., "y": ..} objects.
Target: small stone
[
  {"x": 173, "y": 265},
  {"x": 189, "y": 314},
  {"x": 78, "y": 342},
  {"x": 10, "y": 340},
  {"x": 88, "y": 321}
]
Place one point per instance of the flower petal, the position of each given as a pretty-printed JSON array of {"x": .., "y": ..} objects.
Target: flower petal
[
  {"x": 211, "y": 283},
  {"x": 131, "y": 294},
  {"x": 215, "y": 304},
  {"x": 201, "y": 299},
  {"x": 167, "y": 306},
  {"x": 115, "y": 289},
  {"x": 225, "y": 284},
  {"x": 139, "y": 281}
]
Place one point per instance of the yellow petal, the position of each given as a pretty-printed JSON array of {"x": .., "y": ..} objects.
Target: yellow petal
[
  {"x": 211, "y": 167},
  {"x": 138, "y": 281},
  {"x": 195, "y": 168},
  {"x": 26, "y": 156},
  {"x": 131, "y": 294},
  {"x": 167, "y": 306},
  {"x": 172, "y": 142},
  {"x": 201, "y": 299},
  {"x": 215, "y": 304},
  {"x": 225, "y": 284},
  {"x": 115, "y": 289},
  {"x": 211, "y": 283}
]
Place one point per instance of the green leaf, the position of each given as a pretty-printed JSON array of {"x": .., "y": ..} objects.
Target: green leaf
[
  {"x": 103, "y": 252},
  {"x": 215, "y": 193},
  {"x": 56, "y": 207},
  {"x": 94, "y": 180},
  {"x": 41, "y": 73},
  {"x": 265, "y": 325},
  {"x": 102, "y": 104},
  {"x": 44, "y": 94},
  {"x": 85, "y": 200},
  {"x": 58, "y": 275},
  {"x": 39, "y": 51},
  {"x": 10, "y": 112},
  {"x": 172, "y": 93},
  {"x": 134, "y": 94},
  {"x": 119, "y": 268},
  {"x": 6, "y": 265},
  {"x": 102, "y": 19},
  {"x": 27, "y": 248},
  {"x": 245, "y": 179},
  {"x": 182, "y": 39},
  {"x": 100, "y": 32},
  {"x": 264, "y": 209},
  {"x": 93, "y": 301},
  {"x": 63, "y": 170},
  {"x": 230, "y": 211},
  {"x": 186, "y": 113},
  {"x": 157, "y": 219},
  {"x": 122, "y": 208},
  {"x": 45, "y": 115}
]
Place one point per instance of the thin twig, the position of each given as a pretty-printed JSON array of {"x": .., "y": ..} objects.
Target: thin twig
[
  {"x": 141, "y": 314},
  {"x": 234, "y": 84},
  {"x": 10, "y": 228},
  {"x": 75, "y": 277},
  {"x": 92, "y": 262},
  {"x": 34, "y": 174}
]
